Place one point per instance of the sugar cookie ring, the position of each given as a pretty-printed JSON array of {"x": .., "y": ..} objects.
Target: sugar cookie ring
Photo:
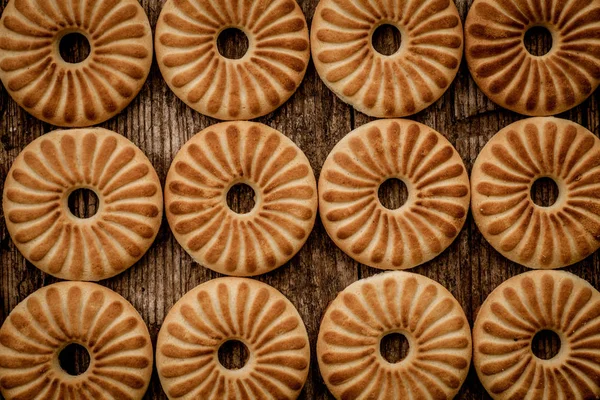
[
  {"x": 510, "y": 318},
  {"x": 233, "y": 309},
  {"x": 74, "y": 94},
  {"x": 403, "y": 83},
  {"x": 429, "y": 317},
  {"x": 104, "y": 323},
  {"x": 520, "y": 81},
  {"x": 438, "y": 194},
  {"x": 37, "y": 214},
  {"x": 502, "y": 177},
  {"x": 232, "y": 89},
  {"x": 215, "y": 160}
]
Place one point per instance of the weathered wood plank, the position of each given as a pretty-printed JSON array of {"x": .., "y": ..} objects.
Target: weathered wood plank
[{"x": 315, "y": 119}]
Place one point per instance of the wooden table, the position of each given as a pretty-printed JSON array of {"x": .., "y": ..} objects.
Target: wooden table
[{"x": 315, "y": 119}]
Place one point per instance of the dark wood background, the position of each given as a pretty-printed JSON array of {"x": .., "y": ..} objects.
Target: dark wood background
[{"x": 315, "y": 119}]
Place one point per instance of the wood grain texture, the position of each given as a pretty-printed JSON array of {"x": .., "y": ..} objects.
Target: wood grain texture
[{"x": 315, "y": 119}]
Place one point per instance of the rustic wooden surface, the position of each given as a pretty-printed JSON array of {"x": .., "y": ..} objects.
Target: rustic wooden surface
[{"x": 316, "y": 120}]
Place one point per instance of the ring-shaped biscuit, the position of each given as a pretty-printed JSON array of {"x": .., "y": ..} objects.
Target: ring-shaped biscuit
[
  {"x": 233, "y": 309},
  {"x": 423, "y": 311},
  {"x": 74, "y": 94},
  {"x": 438, "y": 194},
  {"x": 250, "y": 153},
  {"x": 503, "y": 68},
  {"x": 92, "y": 316},
  {"x": 400, "y": 84},
  {"x": 232, "y": 89},
  {"x": 510, "y": 318},
  {"x": 50, "y": 236},
  {"x": 502, "y": 178}
]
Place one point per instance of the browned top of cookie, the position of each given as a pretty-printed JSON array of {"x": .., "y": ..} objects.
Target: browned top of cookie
[
  {"x": 233, "y": 308},
  {"x": 397, "y": 85},
  {"x": 40, "y": 327},
  {"x": 232, "y": 89},
  {"x": 502, "y": 177},
  {"x": 202, "y": 173},
  {"x": 509, "y": 319},
  {"x": 35, "y": 203},
  {"x": 438, "y": 194},
  {"x": 433, "y": 322},
  {"x": 79, "y": 94},
  {"x": 529, "y": 84}
]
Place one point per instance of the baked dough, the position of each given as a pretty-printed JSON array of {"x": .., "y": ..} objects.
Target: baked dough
[
  {"x": 241, "y": 309},
  {"x": 502, "y": 176},
  {"x": 38, "y": 218},
  {"x": 438, "y": 194},
  {"x": 202, "y": 173},
  {"x": 95, "y": 317},
  {"x": 348, "y": 346},
  {"x": 397, "y": 85},
  {"x": 509, "y": 319},
  {"x": 80, "y": 94},
  {"x": 232, "y": 89},
  {"x": 514, "y": 78}
]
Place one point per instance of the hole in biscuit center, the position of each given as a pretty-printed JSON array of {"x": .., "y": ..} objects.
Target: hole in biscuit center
[
  {"x": 544, "y": 192},
  {"x": 74, "y": 359},
  {"x": 394, "y": 347},
  {"x": 232, "y": 43},
  {"x": 83, "y": 203},
  {"x": 392, "y": 193},
  {"x": 538, "y": 40},
  {"x": 233, "y": 354},
  {"x": 74, "y": 47},
  {"x": 240, "y": 198},
  {"x": 545, "y": 344},
  {"x": 386, "y": 39}
]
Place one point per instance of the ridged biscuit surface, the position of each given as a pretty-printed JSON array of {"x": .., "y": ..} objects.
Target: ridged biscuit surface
[
  {"x": 438, "y": 194},
  {"x": 232, "y": 89},
  {"x": 97, "y": 318},
  {"x": 36, "y": 210},
  {"x": 239, "y": 309},
  {"x": 348, "y": 346},
  {"x": 74, "y": 94},
  {"x": 507, "y": 323},
  {"x": 279, "y": 173},
  {"x": 502, "y": 177},
  {"x": 403, "y": 83},
  {"x": 529, "y": 84}
]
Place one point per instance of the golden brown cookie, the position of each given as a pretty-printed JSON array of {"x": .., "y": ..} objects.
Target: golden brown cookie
[
  {"x": 223, "y": 310},
  {"x": 525, "y": 83},
  {"x": 502, "y": 177},
  {"x": 510, "y": 318},
  {"x": 38, "y": 218},
  {"x": 104, "y": 323},
  {"x": 423, "y": 311},
  {"x": 403, "y": 83},
  {"x": 232, "y": 89},
  {"x": 74, "y": 94},
  {"x": 438, "y": 194},
  {"x": 231, "y": 153}
]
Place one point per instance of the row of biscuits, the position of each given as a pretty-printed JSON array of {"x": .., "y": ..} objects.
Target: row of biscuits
[
  {"x": 348, "y": 346},
  {"x": 396, "y": 85},
  {"x": 130, "y": 208}
]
